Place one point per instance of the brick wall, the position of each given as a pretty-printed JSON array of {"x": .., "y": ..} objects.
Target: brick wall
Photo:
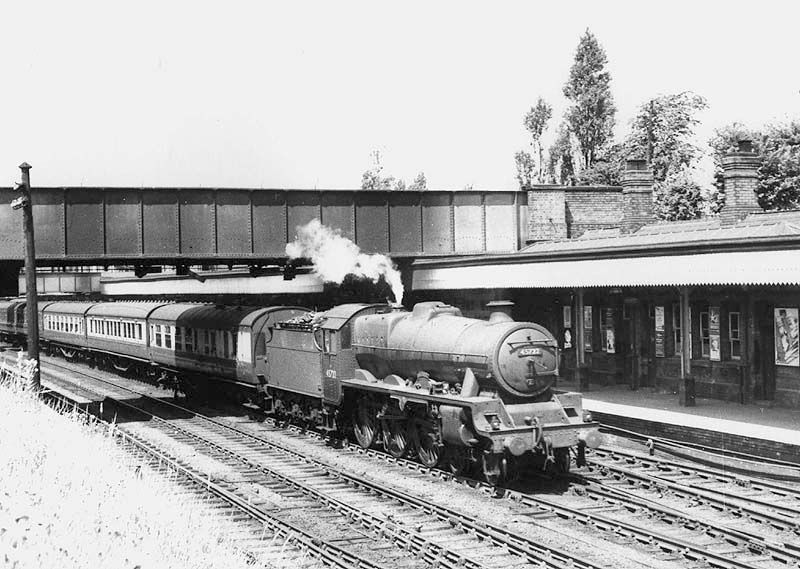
[
  {"x": 714, "y": 439},
  {"x": 593, "y": 208},
  {"x": 547, "y": 214}
]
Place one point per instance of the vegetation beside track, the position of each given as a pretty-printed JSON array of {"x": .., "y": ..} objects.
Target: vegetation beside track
[{"x": 70, "y": 498}]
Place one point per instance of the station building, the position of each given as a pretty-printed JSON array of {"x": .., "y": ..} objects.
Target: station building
[{"x": 707, "y": 307}]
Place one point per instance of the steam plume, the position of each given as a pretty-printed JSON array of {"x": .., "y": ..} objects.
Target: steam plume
[{"x": 335, "y": 257}]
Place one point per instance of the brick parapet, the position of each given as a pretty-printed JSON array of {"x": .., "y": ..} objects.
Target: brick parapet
[{"x": 547, "y": 214}]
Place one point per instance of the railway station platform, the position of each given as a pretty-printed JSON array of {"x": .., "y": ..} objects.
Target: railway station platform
[{"x": 754, "y": 430}]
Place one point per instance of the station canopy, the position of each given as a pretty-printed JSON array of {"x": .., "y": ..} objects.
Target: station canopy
[
  {"x": 762, "y": 250},
  {"x": 725, "y": 268}
]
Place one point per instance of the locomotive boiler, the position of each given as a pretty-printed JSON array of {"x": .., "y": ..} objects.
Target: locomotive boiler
[{"x": 520, "y": 359}]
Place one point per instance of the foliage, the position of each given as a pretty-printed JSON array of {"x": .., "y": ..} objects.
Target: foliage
[
  {"x": 662, "y": 130},
  {"x": 373, "y": 179},
  {"x": 678, "y": 197},
  {"x": 561, "y": 168},
  {"x": 535, "y": 122},
  {"x": 607, "y": 169},
  {"x": 525, "y": 166},
  {"x": 420, "y": 183},
  {"x": 591, "y": 116},
  {"x": 73, "y": 499},
  {"x": 779, "y": 173}
]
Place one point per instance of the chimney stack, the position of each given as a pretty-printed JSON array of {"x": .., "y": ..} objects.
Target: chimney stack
[
  {"x": 741, "y": 177},
  {"x": 637, "y": 195}
]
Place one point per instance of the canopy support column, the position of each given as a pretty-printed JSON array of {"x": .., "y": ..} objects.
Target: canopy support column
[
  {"x": 686, "y": 389},
  {"x": 580, "y": 355}
]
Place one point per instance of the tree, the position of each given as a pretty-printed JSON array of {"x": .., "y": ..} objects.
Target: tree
[
  {"x": 525, "y": 166},
  {"x": 662, "y": 130},
  {"x": 678, "y": 197},
  {"x": 779, "y": 173},
  {"x": 561, "y": 168},
  {"x": 607, "y": 169},
  {"x": 420, "y": 183},
  {"x": 372, "y": 179},
  {"x": 535, "y": 123},
  {"x": 591, "y": 116}
]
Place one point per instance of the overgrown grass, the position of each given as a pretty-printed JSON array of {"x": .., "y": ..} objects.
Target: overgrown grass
[{"x": 69, "y": 497}]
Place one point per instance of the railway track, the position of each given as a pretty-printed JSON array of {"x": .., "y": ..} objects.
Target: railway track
[
  {"x": 618, "y": 512},
  {"x": 264, "y": 540},
  {"x": 427, "y": 534},
  {"x": 591, "y": 503},
  {"x": 769, "y": 507}
]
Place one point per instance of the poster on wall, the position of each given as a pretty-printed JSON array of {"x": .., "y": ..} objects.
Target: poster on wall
[
  {"x": 587, "y": 328},
  {"x": 608, "y": 333},
  {"x": 567, "y": 317},
  {"x": 713, "y": 333},
  {"x": 567, "y": 338},
  {"x": 786, "y": 337},
  {"x": 610, "y": 341},
  {"x": 659, "y": 335}
]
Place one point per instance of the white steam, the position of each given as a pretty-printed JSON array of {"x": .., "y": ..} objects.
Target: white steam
[{"x": 335, "y": 257}]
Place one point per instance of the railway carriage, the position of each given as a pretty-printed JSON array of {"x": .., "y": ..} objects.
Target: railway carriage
[
  {"x": 225, "y": 342},
  {"x": 62, "y": 326},
  {"x": 117, "y": 333},
  {"x": 12, "y": 320}
]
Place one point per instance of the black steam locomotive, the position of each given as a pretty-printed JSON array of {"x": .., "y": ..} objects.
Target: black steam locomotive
[{"x": 473, "y": 395}]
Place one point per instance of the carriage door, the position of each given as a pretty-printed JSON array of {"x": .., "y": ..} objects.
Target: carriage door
[{"x": 331, "y": 388}]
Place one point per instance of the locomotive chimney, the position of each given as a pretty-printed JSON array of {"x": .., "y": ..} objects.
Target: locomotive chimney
[{"x": 500, "y": 311}]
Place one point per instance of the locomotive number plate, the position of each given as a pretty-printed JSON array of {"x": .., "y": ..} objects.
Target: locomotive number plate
[{"x": 525, "y": 352}]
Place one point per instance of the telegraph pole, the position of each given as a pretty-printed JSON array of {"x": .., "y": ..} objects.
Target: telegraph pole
[{"x": 31, "y": 308}]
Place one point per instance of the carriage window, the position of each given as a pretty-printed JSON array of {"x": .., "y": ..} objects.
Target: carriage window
[
  {"x": 138, "y": 331},
  {"x": 212, "y": 340},
  {"x": 234, "y": 345},
  {"x": 189, "y": 340},
  {"x": 168, "y": 337},
  {"x": 226, "y": 344},
  {"x": 178, "y": 338},
  {"x": 158, "y": 334}
]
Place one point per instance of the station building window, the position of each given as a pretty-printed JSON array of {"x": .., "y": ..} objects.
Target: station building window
[
  {"x": 734, "y": 335},
  {"x": 705, "y": 336},
  {"x": 676, "y": 329}
]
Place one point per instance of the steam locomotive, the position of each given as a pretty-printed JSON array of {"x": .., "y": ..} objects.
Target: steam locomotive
[{"x": 471, "y": 395}]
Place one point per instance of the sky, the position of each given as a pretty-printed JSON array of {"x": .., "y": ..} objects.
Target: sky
[{"x": 299, "y": 94}]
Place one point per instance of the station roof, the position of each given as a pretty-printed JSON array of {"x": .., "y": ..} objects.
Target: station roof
[{"x": 764, "y": 249}]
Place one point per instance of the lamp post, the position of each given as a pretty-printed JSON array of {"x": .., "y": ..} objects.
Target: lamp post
[{"x": 31, "y": 309}]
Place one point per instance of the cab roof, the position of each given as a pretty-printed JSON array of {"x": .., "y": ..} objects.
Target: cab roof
[{"x": 338, "y": 316}]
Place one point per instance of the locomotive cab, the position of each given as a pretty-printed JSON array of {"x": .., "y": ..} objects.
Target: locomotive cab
[{"x": 334, "y": 339}]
